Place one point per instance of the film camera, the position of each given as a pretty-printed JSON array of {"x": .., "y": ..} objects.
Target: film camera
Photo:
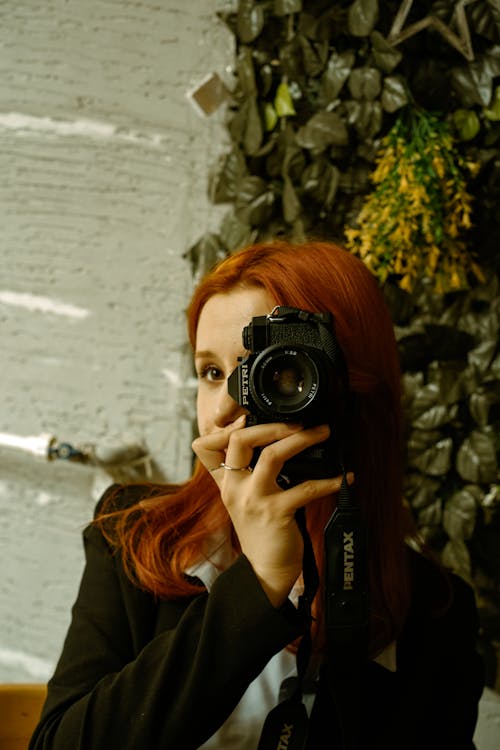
[{"x": 295, "y": 372}]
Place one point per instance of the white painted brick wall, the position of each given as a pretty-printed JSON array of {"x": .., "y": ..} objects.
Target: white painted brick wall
[{"x": 104, "y": 166}]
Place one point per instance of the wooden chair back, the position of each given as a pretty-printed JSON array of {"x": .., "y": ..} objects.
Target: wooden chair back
[{"x": 20, "y": 707}]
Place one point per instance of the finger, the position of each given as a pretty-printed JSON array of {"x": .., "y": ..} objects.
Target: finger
[
  {"x": 242, "y": 443},
  {"x": 313, "y": 489},
  {"x": 274, "y": 455},
  {"x": 211, "y": 448}
]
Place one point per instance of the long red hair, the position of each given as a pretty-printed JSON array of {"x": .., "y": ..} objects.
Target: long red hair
[{"x": 164, "y": 533}]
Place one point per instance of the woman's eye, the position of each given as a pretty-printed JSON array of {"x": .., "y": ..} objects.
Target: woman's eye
[{"x": 210, "y": 373}]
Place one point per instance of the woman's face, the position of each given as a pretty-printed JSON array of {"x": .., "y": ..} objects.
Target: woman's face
[{"x": 218, "y": 346}]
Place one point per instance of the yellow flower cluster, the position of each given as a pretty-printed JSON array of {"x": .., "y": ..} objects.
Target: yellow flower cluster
[{"x": 412, "y": 224}]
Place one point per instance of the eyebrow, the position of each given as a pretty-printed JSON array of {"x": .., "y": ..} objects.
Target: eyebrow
[{"x": 204, "y": 354}]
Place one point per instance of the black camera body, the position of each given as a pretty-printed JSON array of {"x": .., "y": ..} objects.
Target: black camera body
[{"x": 295, "y": 372}]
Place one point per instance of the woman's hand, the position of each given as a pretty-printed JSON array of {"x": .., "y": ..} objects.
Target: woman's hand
[{"x": 263, "y": 514}]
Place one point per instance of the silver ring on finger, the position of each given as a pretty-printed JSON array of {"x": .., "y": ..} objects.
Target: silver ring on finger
[{"x": 226, "y": 467}]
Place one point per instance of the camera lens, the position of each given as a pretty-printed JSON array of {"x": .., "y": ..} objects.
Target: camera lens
[
  {"x": 288, "y": 382},
  {"x": 284, "y": 380}
]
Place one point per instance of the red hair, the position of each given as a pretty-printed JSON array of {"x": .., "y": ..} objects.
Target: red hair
[{"x": 161, "y": 536}]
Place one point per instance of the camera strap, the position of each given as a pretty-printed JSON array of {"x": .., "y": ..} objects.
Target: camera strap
[
  {"x": 347, "y": 614},
  {"x": 346, "y": 601},
  {"x": 287, "y": 725}
]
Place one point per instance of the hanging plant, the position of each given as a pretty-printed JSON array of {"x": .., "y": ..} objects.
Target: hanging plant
[{"x": 414, "y": 223}]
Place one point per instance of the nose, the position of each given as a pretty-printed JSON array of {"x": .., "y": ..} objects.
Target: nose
[{"x": 227, "y": 409}]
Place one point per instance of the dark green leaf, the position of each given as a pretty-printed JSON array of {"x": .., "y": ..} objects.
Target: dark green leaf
[
  {"x": 290, "y": 56},
  {"x": 385, "y": 55},
  {"x": 258, "y": 211},
  {"x": 274, "y": 162},
  {"x": 365, "y": 116},
  {"x": 481, "y": 402},
  {"x": 314, "y": 55},
  {"x": 473, "y": 83},
  {"x": 365, "y": 83},
  {"x": 237, "y": 124},
  {"x": 436, "y": 416},
  {"x": 330, "y": 185},
  {"x": 234, "y": 233},
  {"x": 205, "y": 253},
  {"x": 453, "y": 380},
  {"x": 421, "y": 490},
  {"x": 431, "y": 515},
  {"x": 394, "y": 94},
  {"x": 482, "y": 356},
  {"x": 436, "y": 460},
  {"x": 245, "y": 72},
  {"x": 320, "y": 180},
  {"x": 250, "y": 20},
  {"x": 363, "y": 15},
  {"x": 268, "y": 144},
  {"x": 298, "y": 231},
  {"x": 322, "y": 130},
  {"x": 476, "y": 458},
  {"x": 283, "y": 140},
  {"x": 479, "y": 407},
  {"x": 459, "y": 515},
  {"x": 485, "y": 19},
  {"x": 421, "y": 440},
  {"x": 336, "y": 74},
  {"x": 286, "y": 7},
  {"x": 492, "y": 61},
  {"x": 493, "y": 112},
  {"x": 456, "y": 556},
  {"x": 253, "y": 133},
  {"x": 249, "y": 188},
  {"x": 225, "y": 176},
  {"x": 293, "y": 162},
  {"x": 308, "y": 25},
  {"x": 423, "y": 397},
  {"x": 291, "y": 203}
]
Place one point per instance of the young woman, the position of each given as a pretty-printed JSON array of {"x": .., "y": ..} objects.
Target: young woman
[{"x": 191, "y": 625}]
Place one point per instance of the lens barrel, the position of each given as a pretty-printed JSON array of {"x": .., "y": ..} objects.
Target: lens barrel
[{"x": 284, "y": 380}]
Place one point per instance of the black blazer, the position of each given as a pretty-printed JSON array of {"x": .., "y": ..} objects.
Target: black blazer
[{"x": 136, "y": 673}]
